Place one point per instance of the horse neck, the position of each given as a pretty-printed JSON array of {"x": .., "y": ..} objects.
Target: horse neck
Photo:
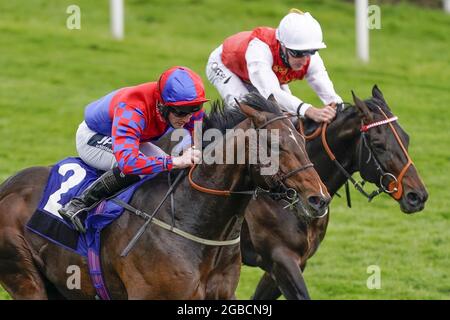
[
  {"x": 343, "y": 139},
  {"x": 215, "y": 216}
]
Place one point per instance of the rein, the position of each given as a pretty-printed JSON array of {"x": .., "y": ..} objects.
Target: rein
[
  {"x": 358, "y": 186},
  {"x": 150, "y": 218}
]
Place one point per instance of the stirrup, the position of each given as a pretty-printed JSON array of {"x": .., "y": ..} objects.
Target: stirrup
[{"x": 75, "y": 220}]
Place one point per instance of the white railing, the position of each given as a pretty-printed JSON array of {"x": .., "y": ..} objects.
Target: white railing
[
  {"x": 362, "y": 31},
  {"x": 117, "y": 13},
  {"x": 446, "y": 5}
]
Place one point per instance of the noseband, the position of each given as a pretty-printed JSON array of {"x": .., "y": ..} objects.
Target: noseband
[{"x": 394, "y": 187}]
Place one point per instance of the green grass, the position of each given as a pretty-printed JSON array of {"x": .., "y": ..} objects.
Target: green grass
[{"x": 49, "y": 73}]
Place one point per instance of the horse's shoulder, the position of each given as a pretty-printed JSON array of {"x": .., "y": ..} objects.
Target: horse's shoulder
[{"x": 153, "y": 188}]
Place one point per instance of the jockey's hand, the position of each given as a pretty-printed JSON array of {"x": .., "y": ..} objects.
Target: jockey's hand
[
  {"x": 324, "y": 114},
  {"x": 189, "y": 157}
]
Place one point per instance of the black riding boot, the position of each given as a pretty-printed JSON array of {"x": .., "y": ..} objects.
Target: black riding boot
[{"x": 110, "y": 183}]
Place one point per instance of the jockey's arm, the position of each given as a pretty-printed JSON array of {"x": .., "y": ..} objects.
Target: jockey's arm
[
  {"x": 259, "y": 64},
  {"x": 128, "y": 125},
  {"x": 285, "y": 88},
  {"x": 319, "y": 81}
]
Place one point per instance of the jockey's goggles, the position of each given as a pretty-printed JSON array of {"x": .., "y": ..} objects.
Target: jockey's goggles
[
  {"x": 300, "y": 53},
  {"x": 182, "y": 112}
]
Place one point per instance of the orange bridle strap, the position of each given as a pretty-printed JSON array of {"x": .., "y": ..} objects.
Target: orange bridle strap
[
  {"x": 320, "y": 131},
  {"x": 313, "y": 135},
  {"x": 206, "y": 190},
  {"x": 393, "y": 185}
]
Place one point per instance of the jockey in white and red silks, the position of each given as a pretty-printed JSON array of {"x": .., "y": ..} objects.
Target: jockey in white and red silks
[{"x": 267, "y": 59}]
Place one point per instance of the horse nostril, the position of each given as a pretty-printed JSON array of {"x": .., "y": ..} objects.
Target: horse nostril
[
  {"x": 317, "y": 202},
  {"x": 413, "y": 198}
]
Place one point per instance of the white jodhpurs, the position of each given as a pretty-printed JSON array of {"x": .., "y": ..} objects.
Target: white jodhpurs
[{"x": 228, "y": 84}]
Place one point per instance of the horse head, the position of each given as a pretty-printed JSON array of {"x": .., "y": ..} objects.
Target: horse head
[
  {"x": 295, "y": 170},
  {"x": 383, "y": 154}
]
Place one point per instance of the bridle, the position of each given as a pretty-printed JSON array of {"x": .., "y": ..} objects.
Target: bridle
[
  {"x": 394, "y": 187},
  {"x": 277, "y": 188}
]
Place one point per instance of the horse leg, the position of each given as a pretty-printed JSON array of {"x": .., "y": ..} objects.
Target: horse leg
[
  {"x": 24, "y": 286},
  {"x": 18, "y": 273},
  {"x": 267, "y": 289},
  {"x": 289, "y": 276}
]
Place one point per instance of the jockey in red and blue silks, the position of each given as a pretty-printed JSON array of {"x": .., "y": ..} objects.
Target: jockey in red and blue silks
[{"x": 118, "y": 129}]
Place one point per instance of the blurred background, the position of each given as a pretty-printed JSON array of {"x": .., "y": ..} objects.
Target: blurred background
[{"x": 48, "y": 73}]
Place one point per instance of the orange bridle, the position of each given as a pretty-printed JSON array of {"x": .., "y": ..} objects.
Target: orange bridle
[{"x": 395, "y": 187}]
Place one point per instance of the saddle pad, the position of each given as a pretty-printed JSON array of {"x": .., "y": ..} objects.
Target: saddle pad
[{"x": 68, "y": 178}]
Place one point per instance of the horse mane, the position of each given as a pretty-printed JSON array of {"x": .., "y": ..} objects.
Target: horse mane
[
  {"x": 224, "y": 117},
  {"x": 258, "y": 102},
  {"x": 372, "y": 103}
]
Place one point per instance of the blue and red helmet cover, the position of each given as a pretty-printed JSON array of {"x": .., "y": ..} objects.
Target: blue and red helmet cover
[{"x": 180, "y": 86}]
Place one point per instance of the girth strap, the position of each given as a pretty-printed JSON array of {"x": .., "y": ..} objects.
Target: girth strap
[
  {"x": 173, "y": 229},
  {"x": 141, "y": 231}
]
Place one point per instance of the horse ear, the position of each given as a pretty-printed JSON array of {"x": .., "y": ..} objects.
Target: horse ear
[
  {"x": 257, "y": 118},
  {"x": 376, "y": 93},
  {"x": 272, "y": 98},
  {"x": 363, "y": 110}
]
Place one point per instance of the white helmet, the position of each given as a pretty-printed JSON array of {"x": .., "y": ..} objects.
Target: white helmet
[{"x": 300, "y": 31}]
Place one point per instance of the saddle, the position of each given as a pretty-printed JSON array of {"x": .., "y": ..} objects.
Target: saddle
[{"x": 68, "y": 178}]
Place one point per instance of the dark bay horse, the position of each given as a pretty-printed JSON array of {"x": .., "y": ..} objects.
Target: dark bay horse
[
  {"x": 280, "y": 243},
  {"x": 162, "y": 265}
]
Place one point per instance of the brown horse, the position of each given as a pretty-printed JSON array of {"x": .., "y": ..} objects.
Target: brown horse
[
  {"x": 281, "y": 243},
  {"x": 162, "y": 265}
]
